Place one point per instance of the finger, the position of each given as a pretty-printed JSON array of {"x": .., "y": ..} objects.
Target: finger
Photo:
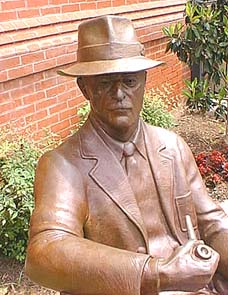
[{"x": 190, "y": 228}]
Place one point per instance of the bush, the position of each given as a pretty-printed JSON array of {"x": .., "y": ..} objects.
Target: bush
[
  {"x": 201, "y": 98},
  {"x": 202, "y": 39},
  {"x": 83, "y": 113},
  {"x": 155, "y": 109},
  {"x": 18, "y": 159}
]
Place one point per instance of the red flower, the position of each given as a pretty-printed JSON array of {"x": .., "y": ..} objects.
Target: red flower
[
  {"x": 203, "y": 170},
  {"x": 216, "y": 178},
  {"x": 226, "y": 166},
  {"x": 213, "y": 166},
  {"x": 217, "y": 158},
  {"x": 201, "y": 158}
]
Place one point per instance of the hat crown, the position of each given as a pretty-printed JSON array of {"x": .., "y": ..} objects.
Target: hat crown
[
  {"x": 106, "y": 29},
  {"x": 107, "y": 38}
]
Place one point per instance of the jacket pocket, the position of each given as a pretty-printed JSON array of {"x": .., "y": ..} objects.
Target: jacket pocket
[{"x": 185, "y": 206}]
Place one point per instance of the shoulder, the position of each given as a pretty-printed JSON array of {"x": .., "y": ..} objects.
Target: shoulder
[
  {"x": 167, "y": 141},
  {"x": 161, "y": 132},
  {"x": 60, "y": 158},
  {"x": 164, "y": 136}
]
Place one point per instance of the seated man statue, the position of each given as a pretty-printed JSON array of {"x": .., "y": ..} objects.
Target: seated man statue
[{"x": 120, "y": 207}]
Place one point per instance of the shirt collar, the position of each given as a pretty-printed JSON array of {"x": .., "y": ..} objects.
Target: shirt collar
[{"x": 117, "y": 146}]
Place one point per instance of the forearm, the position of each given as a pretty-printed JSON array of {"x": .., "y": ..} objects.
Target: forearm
[{"x": 64, "y": 262}]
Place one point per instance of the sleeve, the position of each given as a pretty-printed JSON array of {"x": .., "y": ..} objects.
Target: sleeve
[
  {"x": 58, "y": 255},
  {"x": 150, "y": 277},
  {"x": 212, "y": 220}
]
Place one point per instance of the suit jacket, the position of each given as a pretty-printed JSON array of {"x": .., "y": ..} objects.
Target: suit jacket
[{"x": 87, "y": 233}]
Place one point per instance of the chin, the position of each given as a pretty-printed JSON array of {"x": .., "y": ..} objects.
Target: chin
[{"x": 123, "y": 122}]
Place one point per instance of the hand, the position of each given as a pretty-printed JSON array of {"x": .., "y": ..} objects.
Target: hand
[{"x": 184, "y": 271}]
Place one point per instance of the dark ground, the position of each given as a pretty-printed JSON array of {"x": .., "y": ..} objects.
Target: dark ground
[
  {"x": 201, "y": 133},
  {"x": 204, "y": 134},
  {"x": 14, "y": 281}
]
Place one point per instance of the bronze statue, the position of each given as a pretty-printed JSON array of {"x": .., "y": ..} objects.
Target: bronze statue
[{"x": 120, "y": 207}]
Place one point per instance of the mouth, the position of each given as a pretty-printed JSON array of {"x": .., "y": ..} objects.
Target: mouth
[{"x": 120, "y": 109}]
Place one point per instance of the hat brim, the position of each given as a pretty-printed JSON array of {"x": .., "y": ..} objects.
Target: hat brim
[{"x": 122, "y": 65}]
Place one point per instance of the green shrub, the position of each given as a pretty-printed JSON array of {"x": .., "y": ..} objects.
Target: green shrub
[
  {"x": 83, "y": 113},
  {"x": 202, "y": 39},
  {"x": 155, "y": 109},
  {"x": 201, "y": 98},
  {"x": 18, "y": 159},
  {"x": 199, "y": 95}
]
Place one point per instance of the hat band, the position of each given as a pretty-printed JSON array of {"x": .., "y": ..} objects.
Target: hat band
[{"x": 109, "y": 51}]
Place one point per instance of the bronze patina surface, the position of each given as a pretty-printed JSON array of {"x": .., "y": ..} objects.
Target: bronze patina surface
[{"x": 120, "y": 207}]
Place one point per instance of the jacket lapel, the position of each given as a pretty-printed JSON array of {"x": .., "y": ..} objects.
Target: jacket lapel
[
  {"x": 162, "y": 168},
  {"x": 109, "y": 175}
]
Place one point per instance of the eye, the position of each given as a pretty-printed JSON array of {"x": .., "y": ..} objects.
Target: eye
[
  {"x": 104, "y": 83},
  {"x": 130, "y": 81}
]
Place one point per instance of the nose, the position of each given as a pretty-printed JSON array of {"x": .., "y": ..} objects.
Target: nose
[{"x": 117, "y": 92}]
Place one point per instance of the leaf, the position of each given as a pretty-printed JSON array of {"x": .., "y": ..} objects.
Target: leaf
[
  {"x": 223, "y": 44},
  {"x": 187, "y": 93},
  {"x": 168, "y": 47},
  {"x": 207, "y": 26},
  {"x": 196, "y": 19},
  {"x": 165, "y": 31},
  {"x": 196, "y": 32},
  {"x": 188, "y": 9},
  {"x": 188, "y": 83}
]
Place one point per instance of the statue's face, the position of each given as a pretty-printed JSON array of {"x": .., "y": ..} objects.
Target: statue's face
[{"x": 116, "y": 99}]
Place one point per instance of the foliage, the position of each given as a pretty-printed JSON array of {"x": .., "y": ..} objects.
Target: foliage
[
  {"x": 203, "y": 99},
  {"x": 83, "y": 113},
  {"x": 203, "y": 37},
  {"x": 203, "y": 40},
  {"x": 213, "y": 166},
  {"x": 197, "y": 95},
  {"x": 18, "y": 159},
  {"x": 155, "y": 110}
]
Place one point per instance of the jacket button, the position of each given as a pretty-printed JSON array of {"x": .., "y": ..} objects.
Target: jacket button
[{"x": 141, "y": 250}]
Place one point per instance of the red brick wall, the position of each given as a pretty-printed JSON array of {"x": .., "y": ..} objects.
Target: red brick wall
[{"x": 39, "y": 37}]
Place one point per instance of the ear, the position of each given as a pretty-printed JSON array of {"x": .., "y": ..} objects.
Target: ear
[
  {"x": 145, "y": 76},
  {"x": 82, "y": 87}
]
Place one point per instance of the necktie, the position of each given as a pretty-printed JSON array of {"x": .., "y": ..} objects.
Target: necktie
[{"x": 129, "y": 160}]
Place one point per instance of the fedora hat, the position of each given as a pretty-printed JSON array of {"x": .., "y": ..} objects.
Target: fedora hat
[{"x": 108, "y": 44}]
